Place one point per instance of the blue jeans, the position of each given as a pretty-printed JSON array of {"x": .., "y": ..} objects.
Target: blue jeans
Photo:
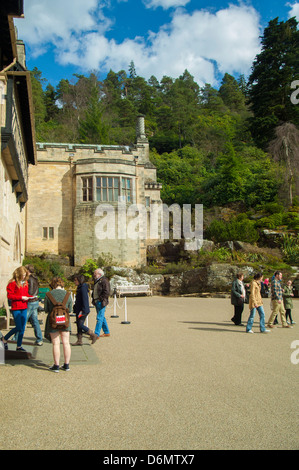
[
  {"x": 20, "y": 318},
  {"x": 101, "y": 320},
  {"x": 251, "y": 318},
  {"x": 33, "y": 318}
]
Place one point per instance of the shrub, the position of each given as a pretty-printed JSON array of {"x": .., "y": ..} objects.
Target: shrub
[
  {"x": 106, "y": 259},
  {"x": 88, "y": 268},
  {"x": 272, "y": 208},
  {"x": 290, "y": 249},
  {"x": 44, "y": 269},
  {"x": 291, "y": 219},
  {"x": 2, "y": 312},
  {"x": 238, "y": 228}
]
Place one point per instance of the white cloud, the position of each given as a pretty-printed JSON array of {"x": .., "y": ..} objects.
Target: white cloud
[
  {"x": 194, "y": 41},
  {"x": 61, "y": 22},
  {"x": 294, "y": 10},
  {"x": 165, "y": 4}
]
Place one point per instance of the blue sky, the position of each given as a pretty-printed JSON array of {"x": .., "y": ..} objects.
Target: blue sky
[{"x": 162, "y": 37}]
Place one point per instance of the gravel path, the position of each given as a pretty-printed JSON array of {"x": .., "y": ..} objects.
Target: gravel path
[{"x": 180, "y": 376}]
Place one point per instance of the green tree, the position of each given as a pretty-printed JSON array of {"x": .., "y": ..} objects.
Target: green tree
[
  {"x": 37, "y": 83},
  {"x": 92, "y": 129},
  {"x": 183, "y": 99},
  {"x": 273, "y": 72},
  {"x": 231, "y": 94},
  {"x": 211, "y": 100},
  {"x": 50, "y": 98}
]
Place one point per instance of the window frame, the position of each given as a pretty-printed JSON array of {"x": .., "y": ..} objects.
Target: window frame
[
  {"x": 87, "y": 188},
  {"x": 107, "y": 188}
]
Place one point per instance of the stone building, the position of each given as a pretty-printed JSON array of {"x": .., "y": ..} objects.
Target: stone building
[
  {"x": 17, "y": 137},
  {"x": 83, "y": 200}
]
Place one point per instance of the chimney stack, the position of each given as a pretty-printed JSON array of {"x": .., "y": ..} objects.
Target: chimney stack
[{"x": 140, "y": 131}]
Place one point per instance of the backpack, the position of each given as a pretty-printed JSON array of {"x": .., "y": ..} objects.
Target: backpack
[{"x": 59, "y": 317}]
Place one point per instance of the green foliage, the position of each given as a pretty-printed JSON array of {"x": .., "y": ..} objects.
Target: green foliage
[
  {"x": 44, "y": 269},
  {"x": 92, "y": 128},
  {"x": 273, "y": 72},
  {"x": 238, "y": 228},
  {"x": 104, "y": 260},
  {"x": 2, "y": 312},
  {"x": 291, "y": 220},
  {"x": 272, "y": 208},
  {"x": 88, "y": 268},
  {"x": 201, "y": 139},
  {"x": 232, "y": 94},
  {"x": 290, "y": 249},
  {"x": 277, "y": 220},
  {"x": 38, "y": 96}
]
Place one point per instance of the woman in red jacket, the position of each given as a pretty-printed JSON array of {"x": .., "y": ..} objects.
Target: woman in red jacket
[{"x": 17, "y": 293}]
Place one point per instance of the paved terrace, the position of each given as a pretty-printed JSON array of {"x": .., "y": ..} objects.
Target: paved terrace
[{"x": 179, "y": 376}]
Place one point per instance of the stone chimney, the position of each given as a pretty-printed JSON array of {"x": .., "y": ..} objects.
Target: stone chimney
[
  {"x": 21, "y": 53},
  {"x": 140, "y": 132},
  {"x": 142, "y": 142}
]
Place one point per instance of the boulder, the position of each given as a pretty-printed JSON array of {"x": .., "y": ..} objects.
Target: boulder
[{"x": 220, "y": 276}]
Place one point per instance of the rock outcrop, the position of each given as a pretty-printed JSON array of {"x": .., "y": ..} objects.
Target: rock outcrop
[{"x": 213, "y": 278}]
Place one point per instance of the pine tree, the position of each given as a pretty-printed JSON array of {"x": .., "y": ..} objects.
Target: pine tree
[
  {"x": 273, "y": 72},
  {"x": 92, "y": 129},
  {"x": 231, "y": 94}
]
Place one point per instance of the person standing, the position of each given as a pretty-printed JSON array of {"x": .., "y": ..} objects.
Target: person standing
[
  {"x": 100, "y": 299},
  {"x": 17, "y": 293},
  {"x": 32, "y": 312},
  {"x": 59, "y": 294},
  {"x": 81, "y": 309},
  {"x": 277, "y": 301},
  {"x": 256, "y": 303},
  {"x": 238, "y": 296},
  {"x": 288, "y": 301}
]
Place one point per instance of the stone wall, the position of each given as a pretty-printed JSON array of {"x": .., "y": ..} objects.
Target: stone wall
[
  {"x": 50, "y": 206},
  {"x": 12, "y": 231}
]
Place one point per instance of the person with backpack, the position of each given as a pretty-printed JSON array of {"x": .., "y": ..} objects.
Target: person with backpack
[
  {"x": 33, "y": 303},
  {"x": 58, "y": 305}
]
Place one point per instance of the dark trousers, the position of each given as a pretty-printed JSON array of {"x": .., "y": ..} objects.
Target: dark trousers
[
  {"x": 289, "y": 315},
  {"x": 80, "y": 324},
  {"x": 237, "y": 318}
]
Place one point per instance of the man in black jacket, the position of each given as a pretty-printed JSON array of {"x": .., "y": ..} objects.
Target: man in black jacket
[
  {"x": 100, "y": 299},
  {"x": 238, "y": 297},
  {"x": 33, "y": 303}
]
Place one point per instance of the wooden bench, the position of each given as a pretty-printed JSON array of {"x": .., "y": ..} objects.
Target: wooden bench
[{"x": 141, "y": 289}]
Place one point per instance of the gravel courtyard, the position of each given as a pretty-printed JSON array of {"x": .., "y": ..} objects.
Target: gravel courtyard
[{"x": 180, "y": 376}]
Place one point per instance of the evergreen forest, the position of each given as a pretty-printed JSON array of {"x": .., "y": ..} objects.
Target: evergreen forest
[{"x": 235, "y": 146}]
